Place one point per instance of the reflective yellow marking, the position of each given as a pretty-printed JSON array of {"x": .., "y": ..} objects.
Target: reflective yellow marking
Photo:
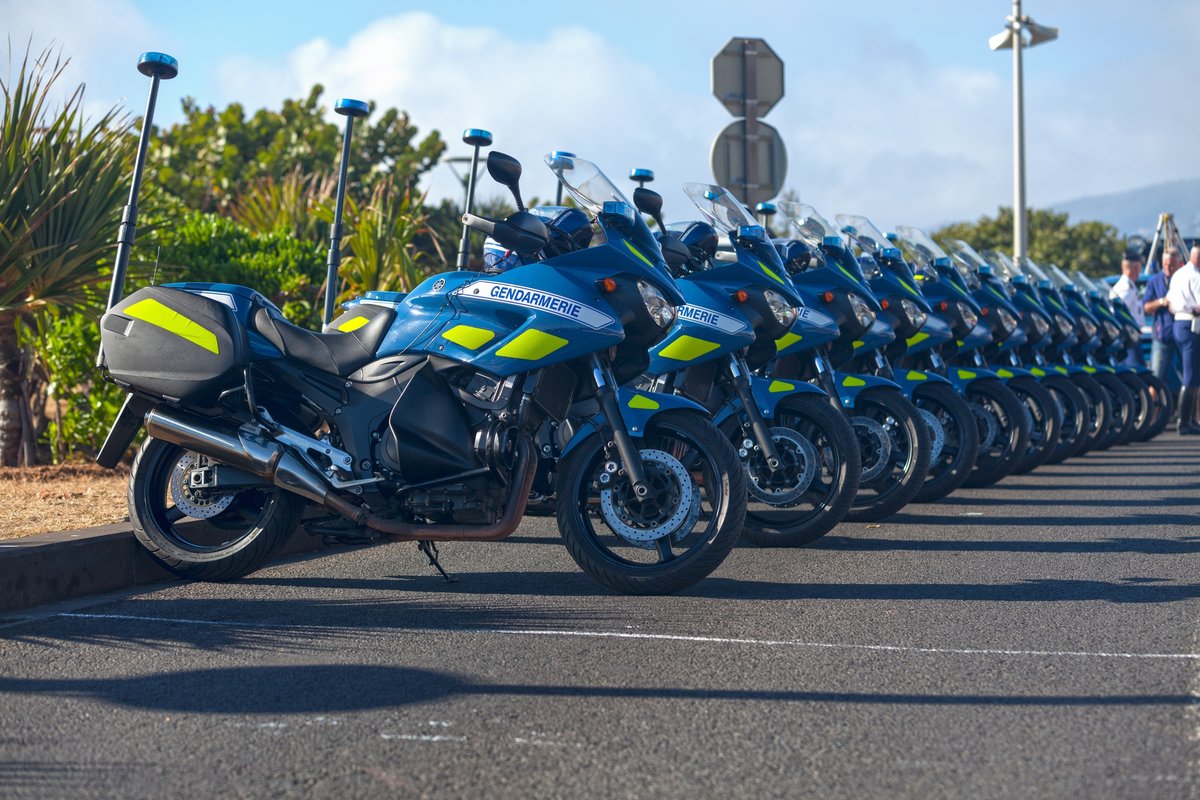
[
  {"x": 916, "y": 338},
  {"x": 966, "y": 373},
  {"x": 1090, "y": 370},
  {"x": 532, "y": 345},
  {"x": 852, "y": 381},
  {"x": 1063, "y": 370},
  {"x": 353, "y": 324},
  {"x": 767, "y": 270},
  {"x": 780, "y": 386},
  {"x": 909, "y": 288},
  {"x": 641, "y": 401},
  {"x": 638, "y": 253},
  {"x": 1038, "y": 371},
  {"x": 858, "y": 343},
  {"x": 686, "y": 348},
  {"x": 1003, "y": 373},
  {"x": 913, "y": 375},
  {"x": 786, "y": 341},
  {"x": 960, "y": 342},
  {"x": 170, "y": 320},
  {"x": 469, "y": 336}
]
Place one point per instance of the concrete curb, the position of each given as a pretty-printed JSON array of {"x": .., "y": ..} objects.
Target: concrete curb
[{"x": 50, "y": 567}]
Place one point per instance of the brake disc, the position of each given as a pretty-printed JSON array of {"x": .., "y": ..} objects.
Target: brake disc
[
  {"x": 936, "y": 432},
  {"x": 875, "y": 445},
  {"x": 797, "y": 467},
  {"x": 671, "y": 482},
  {"x": 197, "y": 504},
  {"x": 989, "y": 426}
]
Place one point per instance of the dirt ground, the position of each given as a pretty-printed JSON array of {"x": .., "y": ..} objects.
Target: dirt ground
[{"x": 58, "y": 498}]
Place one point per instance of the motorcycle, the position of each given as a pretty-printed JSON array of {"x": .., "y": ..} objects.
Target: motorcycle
[
  {"x": 798, "y": 451},
  {"x": 893, "y": 437},
  {"x": 422, "y": 417},
  {"x": 919, "y": 329},
  {"x": 1003, "y": 421}
]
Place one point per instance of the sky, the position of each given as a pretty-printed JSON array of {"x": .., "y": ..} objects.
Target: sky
[{"x": 893, "y": 110}]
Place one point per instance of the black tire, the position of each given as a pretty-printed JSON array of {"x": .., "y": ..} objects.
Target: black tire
[
  {"x": 700, "y": 449},
  {"x": 224, "y": 547},
  {"x": 1099, "y": 406},
  {"x": 825, "y": 502},
  {"x": 902, "y": 462},
  {"x": 1076, "y": 417},
  {"x": 1003, "y": 426},
  {"x": 1121, "y": 400},
  {"x": 952, "y": 463},
  {"x": 1162, "y": 403},
  {"x": 1047, "y": 420},
  {"x": 1143, "y": 406}
]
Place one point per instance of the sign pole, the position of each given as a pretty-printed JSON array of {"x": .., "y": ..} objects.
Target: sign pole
[{"x": 750, "y": 180}]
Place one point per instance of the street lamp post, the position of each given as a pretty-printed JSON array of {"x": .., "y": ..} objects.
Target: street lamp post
[{"x": 1013, "y": 36}]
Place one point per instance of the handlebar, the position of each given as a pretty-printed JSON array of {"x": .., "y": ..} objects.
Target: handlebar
[{"x": 481, "y": 224}]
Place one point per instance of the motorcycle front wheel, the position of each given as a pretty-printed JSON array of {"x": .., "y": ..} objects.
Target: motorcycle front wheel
[
  {"x": 204, "y": 534},
  {"x": 1003, "y": 425},
  {"x": 675, "y": 536},
  {"x": 894, "y": 444},
  {"x": 955, "y": 444},
  {"x": 1076, "y": 417},
  {"x": 816, "y": 482},
  {"x": 1100, "y": 407},
  {"x": 1047, "y": 419},
  {"x": 1161, "y": 403},
  {"x": 1123, "y": 411}
]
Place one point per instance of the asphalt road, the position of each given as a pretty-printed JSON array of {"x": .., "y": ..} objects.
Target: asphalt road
[{"x": 1034, "y": 639}]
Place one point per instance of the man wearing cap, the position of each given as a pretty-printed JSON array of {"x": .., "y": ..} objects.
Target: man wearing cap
[
  {"x": 1183, "y": 299},
  {"x": 1126, "y": 290}
]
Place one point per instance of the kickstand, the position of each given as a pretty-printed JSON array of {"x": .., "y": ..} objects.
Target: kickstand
[{"x": 431, "y": 552}]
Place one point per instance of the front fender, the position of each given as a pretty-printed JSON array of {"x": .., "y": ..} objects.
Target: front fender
[
  {"x": 1008, "y": 373},
  {"x": 767, "y": 392},
  {"x": 909, "y": 380},
  {"x": 962, "y": 377},
  {"x": 637, "y": 409},
  {"x": 851, "y": 386}
]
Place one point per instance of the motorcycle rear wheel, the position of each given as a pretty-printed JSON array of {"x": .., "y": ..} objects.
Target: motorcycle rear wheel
[{"x": 227, "y": 538}]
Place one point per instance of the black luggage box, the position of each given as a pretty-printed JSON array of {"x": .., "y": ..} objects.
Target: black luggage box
[{"x": 174, "y": 344}]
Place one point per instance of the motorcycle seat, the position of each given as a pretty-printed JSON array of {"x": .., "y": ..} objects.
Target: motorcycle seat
[{"x": 341, "y": 353}]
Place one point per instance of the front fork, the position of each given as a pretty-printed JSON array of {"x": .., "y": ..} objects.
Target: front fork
[
  {"x": 738, "y": 374},
  {"x": 606, "y": 394}
]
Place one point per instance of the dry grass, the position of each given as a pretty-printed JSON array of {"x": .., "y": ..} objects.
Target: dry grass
[{"x": 58, "y": 498}]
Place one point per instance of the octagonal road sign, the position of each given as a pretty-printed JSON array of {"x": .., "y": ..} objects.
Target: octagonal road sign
[
  {"x": 729, "y": 78},
  {"x": 729, "y": 162}
]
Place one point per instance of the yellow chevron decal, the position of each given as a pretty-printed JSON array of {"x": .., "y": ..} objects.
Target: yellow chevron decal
[
  {"x": 913, "y": 375},
  {"x": 850, "y": 380},
  {"x": 643, "y": 402},
  {"x": 786, "y": 341},
  {"x": 170, "y": 320},
  {"x": 964, "y": 374},
  {"x": 532, "y": 345},
  {"x": 686, "y": 348},
  {"x": 780, "y": 386},
  {"x": 916, "y": 338}
]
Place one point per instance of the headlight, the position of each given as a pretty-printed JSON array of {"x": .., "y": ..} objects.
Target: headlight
[
  {"x": 1132, "y": 333},
  {"x": 914, "y": 313},
  {"x": 1088, "y": 326},
  {"x": 1007, "y": 321},
  {"x": 1064, "y": 324},
  {"x": 968, "y": 314},
  {"x": 662, "y": 312},
  {"x": 1040, "y": 324},
  {"x": 862, "y": 311},
  {"x": 1111, "y": 330},
  {"x": 780, "y": 307}
]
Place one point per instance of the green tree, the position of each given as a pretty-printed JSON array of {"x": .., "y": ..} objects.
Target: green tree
[
  {"x": 1093, "y": 247},
  {"x": 62, "y": 179},
  {"x": 212, "y": 157}
]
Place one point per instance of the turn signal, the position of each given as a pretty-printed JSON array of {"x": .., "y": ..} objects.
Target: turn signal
[
  {"x": 884, "y": 304},
  {"x": 827, "y": 297},
  {"x": 984, "y": 311},
  {"x": 741, "y": 296},
  {"x": 608, "y": 285},
  {"x": 942, "y": 306}
]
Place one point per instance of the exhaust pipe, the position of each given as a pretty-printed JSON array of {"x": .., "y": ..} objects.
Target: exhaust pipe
[
  {"x": 271, "y": 461},
  {"x": 238, "y": 448}
]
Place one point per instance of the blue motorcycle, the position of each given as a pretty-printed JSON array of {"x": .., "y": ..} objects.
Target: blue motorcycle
[
  {"x": 799, "y": 452},
  {"x": 428, "y": 416}
]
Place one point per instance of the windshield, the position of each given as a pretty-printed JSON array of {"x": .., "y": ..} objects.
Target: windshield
[
  {"x": 815, "y": 231},
  {"x": 1003, "y": 265},
  {"x": 1030, "y": 268},
  {"x": 586, "y": 183},
  {"x": 1086, "y": 283},
  {"x": 920, "y": 245},
  {"x": 1059, "y": 277},
  {"x": 872, "y": 240},
  {"x": 719, "y": 207}
]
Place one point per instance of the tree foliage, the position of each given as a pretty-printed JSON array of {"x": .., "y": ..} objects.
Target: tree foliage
[{"x": 1095, "y": 248}]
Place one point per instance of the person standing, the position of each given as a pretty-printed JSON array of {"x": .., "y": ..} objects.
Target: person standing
[
  {"x": 1126, "y": 290},
  {"x": 1154, "y": 301},
  {"x": 1183, "y": 299}
]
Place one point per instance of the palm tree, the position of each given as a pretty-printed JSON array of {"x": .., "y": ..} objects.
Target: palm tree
[{"x": 62, "y": 178}]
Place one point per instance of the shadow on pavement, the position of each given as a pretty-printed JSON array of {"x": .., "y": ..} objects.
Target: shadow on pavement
[
  {"x": 1182, "y": 546},
  {"x": 307, "y": 689}
]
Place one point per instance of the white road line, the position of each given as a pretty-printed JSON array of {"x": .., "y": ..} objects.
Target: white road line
[{"x": 664, "y": 637}]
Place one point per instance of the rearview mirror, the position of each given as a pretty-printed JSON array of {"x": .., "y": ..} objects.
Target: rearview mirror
[
  {"x": 506, "y": 171},
  {"x": 649, "y": 202}
]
